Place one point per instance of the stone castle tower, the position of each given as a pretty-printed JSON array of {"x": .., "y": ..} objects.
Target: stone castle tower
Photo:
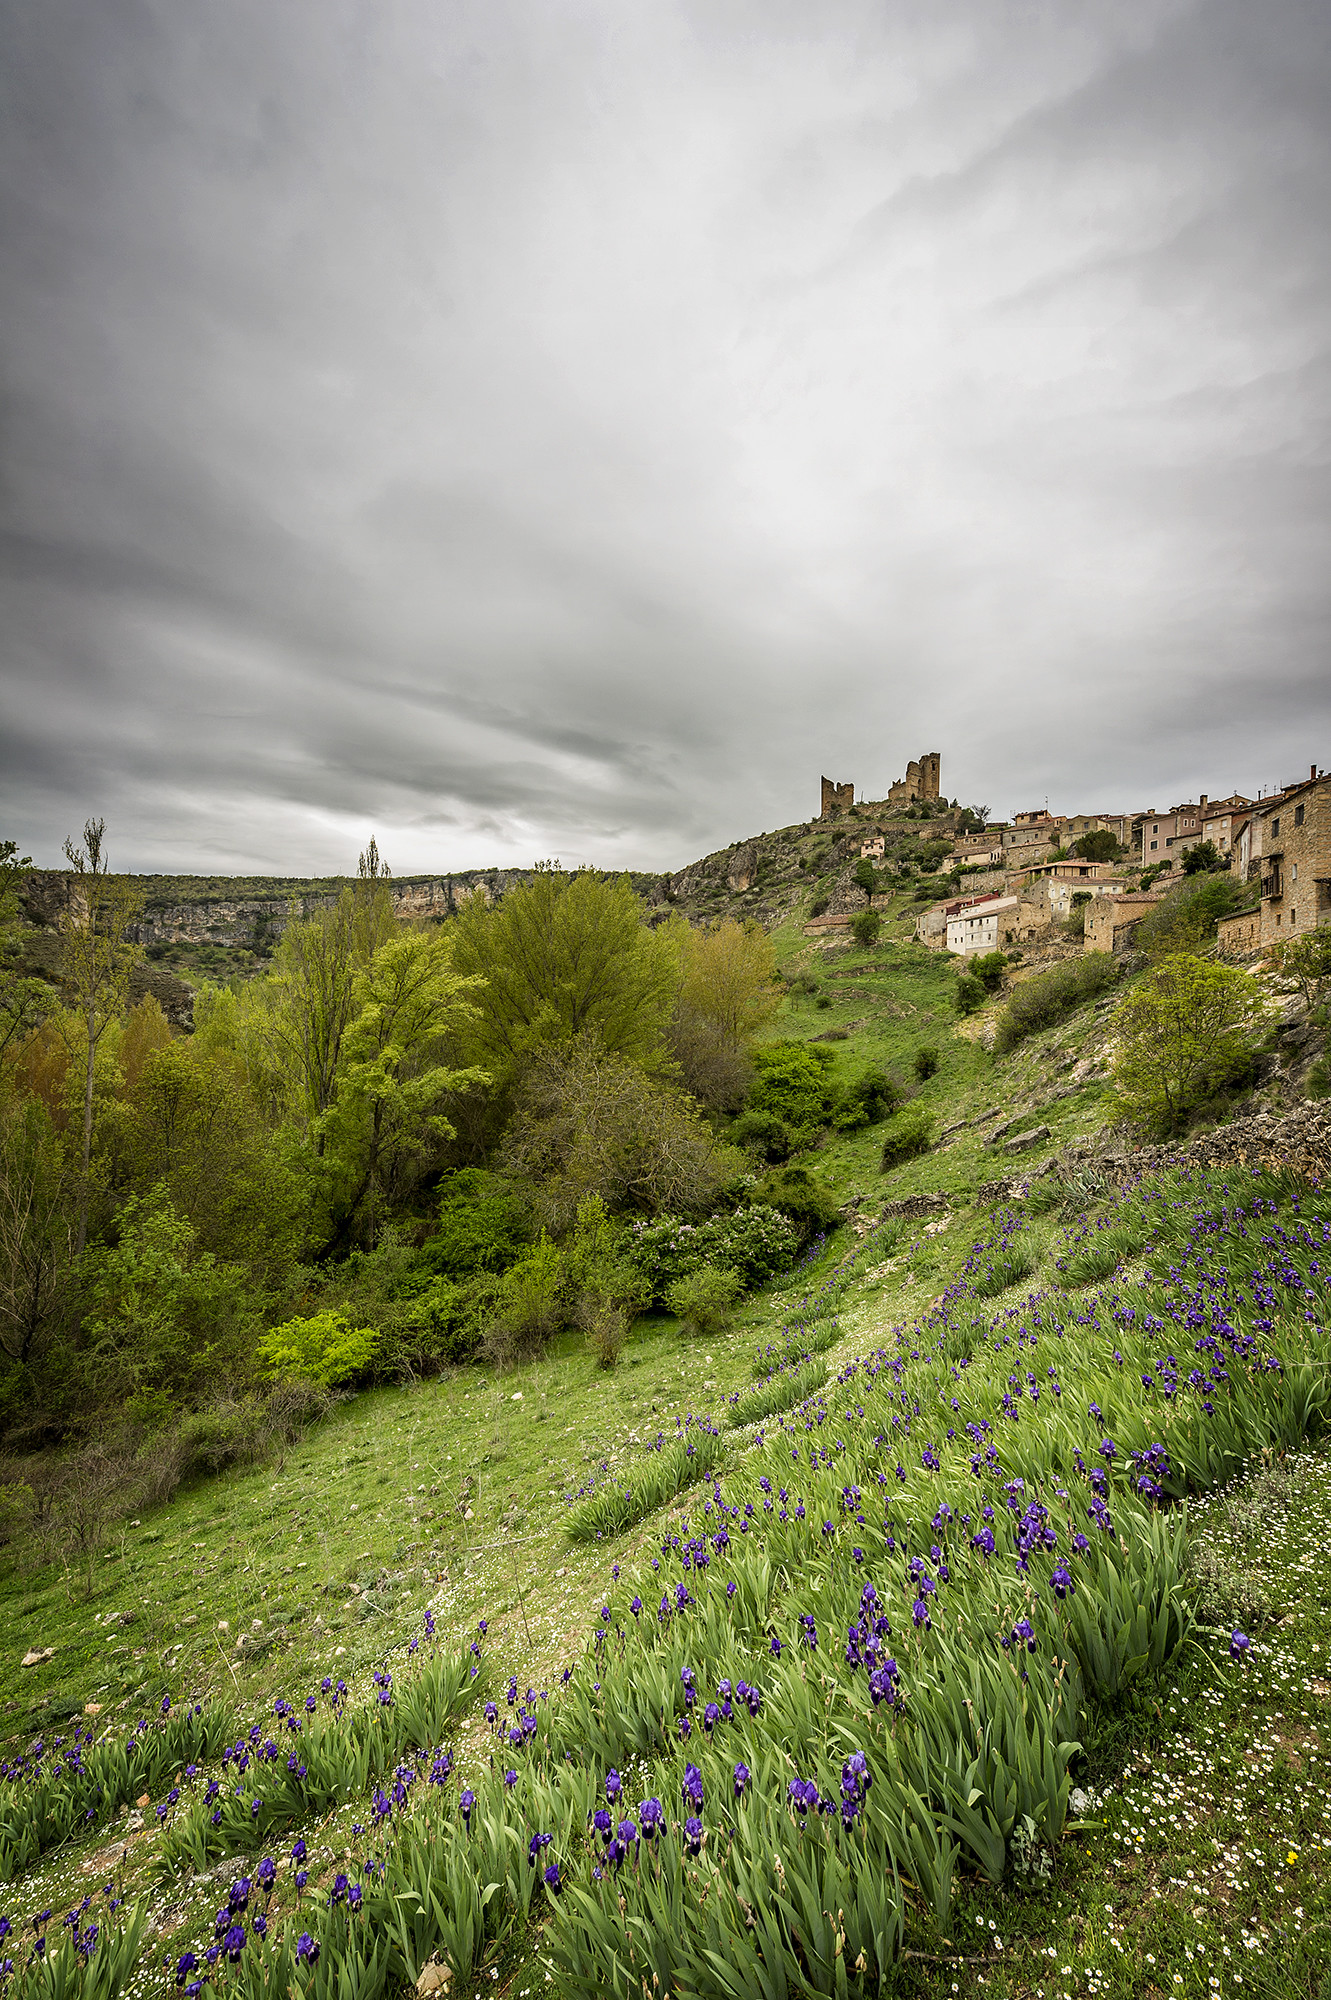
[{"x": 922, "y": 781}]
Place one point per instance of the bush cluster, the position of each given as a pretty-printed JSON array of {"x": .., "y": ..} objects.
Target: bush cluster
[
  {"x": 754, "y": 1243},
  {"x": 1051, "y": 996}
]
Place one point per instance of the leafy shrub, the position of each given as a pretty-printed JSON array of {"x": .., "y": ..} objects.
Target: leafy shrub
[
  {"x": 989, "y": 968},
  {"x": 796, "y": 1082},
  {"x": 871, "y": 1098},
  {"x": 866, "y": 927},
  {"x": 763, "y": 1133},
  {"x": 1319, "y": 1078},
  {"x": 530, "y": 1306},
  {"x": 481, "y": 1227},
  {"x": 755, "y": 1242},
  {"x": 926, "y": 1063},
  {"x": 910, "y": 1133},
  {"x": 1186, "y": 920},
  {"x": 1203, "y": 857},
  {"x": 818, "y": 907},
  {"x": 324, "y": 1349},
  {"x": 606, "y": 1326},
  {"x": 802, "y": 1198},
  {"x": 705, "y": 1300},
  {"x": 592, "y": 1124},
  {"x": 1099, "y": 845},
  {"x": 1183, "y": 1034},
  {"x": 1051, "y": 996},
  {"x": 970, "y": 994}
]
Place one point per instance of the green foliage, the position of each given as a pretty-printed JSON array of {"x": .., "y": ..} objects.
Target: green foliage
[
  {"x": 563, "y": 958},
  {"x": 705, "y": 1300},
  {"x": 1307, "y": 961},
  {"x": 482, "y": 1226},
  {"x": 926, "y": 1063},
  {"x": 532, "y": 1304},
  {"x": 1186, "y": 920},
  {"x": 589, "y": 1123},
  {"x": 866, "y": 877},
  {"x": 1182, "y": 1034},
  {"x": 796, "y": 1082},
  {"x": 323, "y": 1349},
  {"x": 872, "y": 1097},
  {"x": 763, "y": 1133},
  {"x": 1099, "y": 845},
  {"x": 783, "y": 1389},
  {"x": 653, "y": 1480},
  {"x": 971, "y": 994},
  {"x": 910, "y": 1133},
  {"x": 866, "y": 927},
  {"x": 162, "y": 1314},
  {"x": 1203, "y": 857},
  {"x": 1051, "y": 996},
  {"x": 799, "y": 1195},
  {"x": 755, "y": 1243},
  {"x": 989, "y": 968}
]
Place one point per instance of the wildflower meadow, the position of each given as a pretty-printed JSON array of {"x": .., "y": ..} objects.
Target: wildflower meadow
[{"x": 918, "y": 1666}]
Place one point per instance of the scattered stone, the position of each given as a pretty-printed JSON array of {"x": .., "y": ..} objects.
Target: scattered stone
[
  {"x": 1025, "y": 1140},
  {"x": 435, "y": 1978},
  {"x": 92, "y": 1708},
  {"x": 516, "y": 1397},
  {"x": 38, "y": 1658},
  {"x": 190, "y": 1618}
]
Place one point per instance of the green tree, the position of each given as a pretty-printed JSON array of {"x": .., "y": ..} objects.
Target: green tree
[
  {"x": 1202, "y": 858},
  {"x": 311, "y": 999},
  {"x": 22, "y": 1000},
  {"x": 728, "y": 976},
  {"x": 1098, "y": 845},
  {"x": 865, "y": 927},
  {"x": 728, "y": 988},
  {"x": 163, "y": 1315},
  {"x": 393, "y": 1079},
  {"x": 1182, "y": 1034},
  {"x": 96, "y": 956},
  {"x": 1186, "y": 919},
  {"x": 590, "y": 1123},
  {"x": 563, "y": 958},
  {"x": 38, "y": 1195},
  {"x": 1307, "y": 961}
]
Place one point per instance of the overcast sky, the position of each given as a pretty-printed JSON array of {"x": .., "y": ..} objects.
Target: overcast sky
[{"x": 569, "y": 427}]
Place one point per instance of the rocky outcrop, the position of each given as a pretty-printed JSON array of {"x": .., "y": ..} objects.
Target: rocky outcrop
[{"x": 1299, "y": 1142}]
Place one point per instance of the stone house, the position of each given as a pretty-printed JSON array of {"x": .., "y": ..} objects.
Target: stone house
[
  {"x": 976, "y": 850},
  {"x": 1165, "y": 834},
  {"x": 1111, "y": 921},
  {"x": 1223, "y": 820},
  {"x": 1030, "y": 837},
  {"x": 1286, "y": 846},
  {"x": 1238, "y": 935}
]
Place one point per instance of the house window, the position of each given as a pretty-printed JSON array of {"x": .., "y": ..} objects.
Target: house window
[
  {"x": 1154, "y": 845},
  {"x": 1294, "y": 875},
  {"x": 1275, "y": 828},
  {"x": 1298, "y": 815}
]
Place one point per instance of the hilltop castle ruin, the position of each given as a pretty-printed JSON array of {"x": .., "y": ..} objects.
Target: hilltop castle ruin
[{"x": 920, "y": 782}]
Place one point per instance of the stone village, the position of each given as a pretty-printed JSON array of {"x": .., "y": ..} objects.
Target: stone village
[{"x": 1018, "y": 882}]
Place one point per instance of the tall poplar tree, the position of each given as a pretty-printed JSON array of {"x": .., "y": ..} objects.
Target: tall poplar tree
[{"x": 96, "y": 955}]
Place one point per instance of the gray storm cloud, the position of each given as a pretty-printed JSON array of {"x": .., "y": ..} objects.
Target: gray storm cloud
[{"x": 524, "y": 429}]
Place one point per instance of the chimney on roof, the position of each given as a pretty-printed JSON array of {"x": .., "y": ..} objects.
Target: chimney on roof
[
  {"x": 1313, "y": 772},
  {"x": 1203, "y": 804}
]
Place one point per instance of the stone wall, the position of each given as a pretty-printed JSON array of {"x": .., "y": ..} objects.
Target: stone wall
[{"x": 1300, "y": 1141}]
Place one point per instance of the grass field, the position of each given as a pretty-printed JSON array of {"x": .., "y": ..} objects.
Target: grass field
[{"x": 1120, "y": 1799}]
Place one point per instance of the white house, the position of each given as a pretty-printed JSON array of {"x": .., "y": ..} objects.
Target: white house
[{"x": 981, "y": 925}]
